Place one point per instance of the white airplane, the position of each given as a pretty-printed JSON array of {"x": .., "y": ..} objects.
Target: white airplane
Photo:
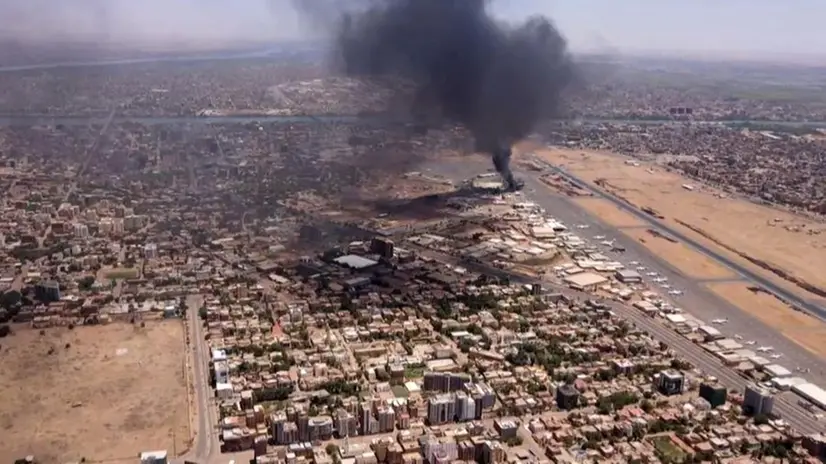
[
  {"x": 764, "y": 349},
  {"x": 776, "y": 356},
  {"x": 660, "y": 280},
  {"x": 719, "y": 321},
  {"x": 738, "y": 337},
  {"x": 634, "y": 263},
  {"x": 651, "y": 274},
  {"x": 750, "y": 342},
  {"x": 641, "y": 268},
  {"x": 582, "y": 226},
  {"x": 599, "y": 237},
  {"x": 675, "y": 292},
  {"x": 608, "y": 243},
  {"x": 665, "y": 286}
]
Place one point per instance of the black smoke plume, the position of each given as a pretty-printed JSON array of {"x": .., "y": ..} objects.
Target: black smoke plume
[{"x": 497, "y": 80}]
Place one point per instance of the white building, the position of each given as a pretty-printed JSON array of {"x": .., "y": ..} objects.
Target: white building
[
  {"x": 150, "y": 251},
  {"x": 81, "y": 230}
]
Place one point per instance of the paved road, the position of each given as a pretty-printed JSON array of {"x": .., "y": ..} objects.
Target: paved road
[{"x": 206, "y": 443}]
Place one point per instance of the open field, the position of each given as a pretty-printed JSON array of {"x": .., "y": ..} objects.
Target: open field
[
  {"x": 797, "y": 326},
  {"x": 738, "y": 228},
  {"x": 608, "y": 212},
  {"x": 686, "y": 260},
  {"x": 100, "y": 392}
]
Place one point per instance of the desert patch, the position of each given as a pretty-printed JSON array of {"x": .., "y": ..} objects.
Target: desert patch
[
  {"x": 96, "y": 392},
  {"x": 797, "y": 326},
  {"x": 789, "y": 244},
  {"x": 608, "y": 212}
]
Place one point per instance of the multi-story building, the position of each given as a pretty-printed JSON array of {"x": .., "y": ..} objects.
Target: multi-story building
[
  {"x": 346, "y": 424},
  {"x": 81, "y": 230},
  {"x": 289, "y": 434},
  {"x": 483, "y": 395},
  {"x": 403, "y": 421},
  {"x": 320, "y": 428},
  {"x": 117, "y": 226},
  {"x": 492, "y": 453},
  {"x": 467, "y": 451},
  {"x": 715, "y": 394},
  {"x": 366, "y": 414},
  {"x": 150, "y": 251},
  {"x": 47, "y": 291},
  {"x": 757, "y": 400},
  {"x": 277, "y": 422},
  {"x": 386, "y": 418},
  {"x": 506, "y": 428},
  {"x": 465, "y": 407},
  {"x": 383, "y": 247},
  {"x": 445, "y": 381},
  {"x": 441, "y": 409},
  {"x": 440, "y": 451},
  {"x": 303, "y": 422},
  {"x": 567, "y": 397},
  {"x": 670, "y": 382}
]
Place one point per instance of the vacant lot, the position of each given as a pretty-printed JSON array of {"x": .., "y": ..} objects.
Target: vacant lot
[
  {"x": 787, "y": 242},
  {"x": 797, "y": 326},
  {"x": 104, "y": 392},
  {"x": 608, "y": 212},
  {"x": 686, "y": 260}
]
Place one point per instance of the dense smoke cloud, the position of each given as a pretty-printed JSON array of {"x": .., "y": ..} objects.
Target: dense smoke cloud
[
  {"x": 171, "y": 24},
  {"x": 497, "y": 80}
]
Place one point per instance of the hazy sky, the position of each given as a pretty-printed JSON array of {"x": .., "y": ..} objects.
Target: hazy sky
[
  {"x": 705, "y": 26},
  {"x": 714, "y": 26}
]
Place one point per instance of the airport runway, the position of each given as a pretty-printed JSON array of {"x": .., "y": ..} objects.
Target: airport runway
[
  {"x": 808, "y": 306},
  {"x": 696, "y": 300}
]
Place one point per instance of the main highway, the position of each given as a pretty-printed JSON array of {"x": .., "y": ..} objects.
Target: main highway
[{"x": 206, "y": 445}]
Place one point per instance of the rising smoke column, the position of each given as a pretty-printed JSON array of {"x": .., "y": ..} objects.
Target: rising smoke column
[{"x": 496, "y": 80}]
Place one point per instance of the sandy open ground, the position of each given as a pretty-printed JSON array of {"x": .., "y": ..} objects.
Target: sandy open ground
[
  {"x": 797, "y": 326},
  {"x": 608, "y": 212},
  {"x": 105, "y": 392},
  {"x": 739, "y": 225},
  {"x": 686, "y": 260}
]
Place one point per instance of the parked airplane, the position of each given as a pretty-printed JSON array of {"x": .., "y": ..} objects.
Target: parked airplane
[
  {"x": 750, "y": 342},
  {"x": 599, "y": 237},
  {"x": 764, "y": 349},
  {"x": 651, "y": 274},
  {"x": 582, "y": 226},
  {"x": 634, "y": 263},
  {"x": 641, "y": 268},
  {"x": 607, "y": 243},
  {"x": 660, "y": 280},
  {"x": 665, "y": 286},
  {"x": 738, "y": 337},
  {"x": 675, "y": 292},
  {"x": 776, "y": 356},
  {"x": 719, "y": 321}
]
